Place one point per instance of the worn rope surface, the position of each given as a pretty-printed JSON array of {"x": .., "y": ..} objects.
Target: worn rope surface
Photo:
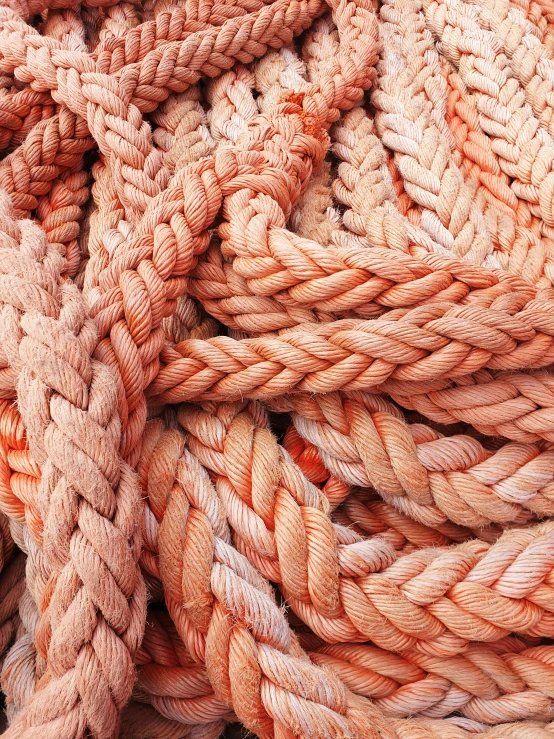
[{"x": 276, "y": 337}]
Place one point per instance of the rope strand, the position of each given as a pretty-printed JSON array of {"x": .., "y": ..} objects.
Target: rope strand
[{"x": 297, "y": 210}]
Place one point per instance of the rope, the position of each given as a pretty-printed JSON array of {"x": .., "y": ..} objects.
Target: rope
[
  {"x": 48, "y": 321},
  {"x": 236, "y": 238}
]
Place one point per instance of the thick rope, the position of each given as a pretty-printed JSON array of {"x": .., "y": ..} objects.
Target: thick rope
[
  {"x": 320, "y": 287},
  {"x": 82, "y": 628}
]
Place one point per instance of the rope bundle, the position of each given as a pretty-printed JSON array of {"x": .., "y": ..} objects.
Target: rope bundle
[{"x": 276, "y": 328}]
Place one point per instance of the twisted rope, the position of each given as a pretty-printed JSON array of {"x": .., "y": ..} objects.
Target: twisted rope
[{"x": 270, "y": 236}]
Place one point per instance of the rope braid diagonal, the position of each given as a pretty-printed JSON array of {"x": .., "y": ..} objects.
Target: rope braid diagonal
[{"x": 276, "y": 336}]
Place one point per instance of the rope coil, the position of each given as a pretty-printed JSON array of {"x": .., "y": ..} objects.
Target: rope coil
[{"x": 275, "y": 347}]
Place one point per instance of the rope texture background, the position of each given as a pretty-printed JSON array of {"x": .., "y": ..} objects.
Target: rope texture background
[{"x": 276, "y": 339}]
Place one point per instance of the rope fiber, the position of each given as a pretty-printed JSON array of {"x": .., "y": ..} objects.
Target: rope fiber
[{"x": 276, "y": 397}]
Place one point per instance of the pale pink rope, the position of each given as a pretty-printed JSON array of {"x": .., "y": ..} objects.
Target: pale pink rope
[{"x": 98, "y": 505}]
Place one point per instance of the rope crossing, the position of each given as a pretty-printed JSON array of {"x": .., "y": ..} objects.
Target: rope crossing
[{"x": 276, "y": 338}]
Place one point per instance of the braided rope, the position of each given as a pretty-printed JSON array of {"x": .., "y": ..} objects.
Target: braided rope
[
  {"x": 532, "y": 184},
  {"x": 282, "y": 525},
  {"x": 132, "y": 409},
  {"x": 420, "y": 345},
  {"x": 472, "y": 683},
  {"x": 365, "y": 441},
  {"x": 228, "y": 620},
  {"x": 333, "y": 284},
  {"x": 410, "y": 99},
  {"x": 171, "y": 682},
  {"x": 365, "y": 510},
  {"x": 103, "y": 506}
]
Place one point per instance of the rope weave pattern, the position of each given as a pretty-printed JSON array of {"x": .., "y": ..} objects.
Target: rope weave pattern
[{"x": 276, "y": 337}]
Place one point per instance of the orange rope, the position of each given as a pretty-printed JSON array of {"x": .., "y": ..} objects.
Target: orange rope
[{"x": 281, "y": 234}]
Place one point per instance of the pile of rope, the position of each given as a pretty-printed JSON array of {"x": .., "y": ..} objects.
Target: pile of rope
[{"x": 276, "y": 413}]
